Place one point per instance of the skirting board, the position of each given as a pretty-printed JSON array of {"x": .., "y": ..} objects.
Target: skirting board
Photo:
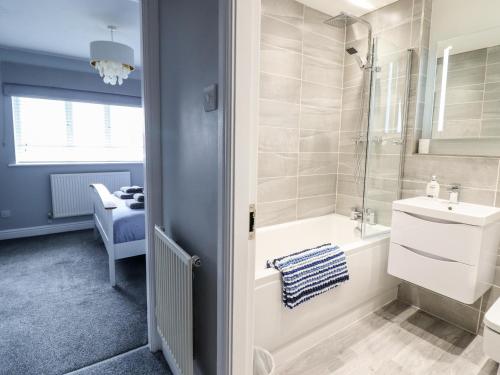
[
  {"x": 45, "y": 229},
  {"x": 293, "y": 350}
]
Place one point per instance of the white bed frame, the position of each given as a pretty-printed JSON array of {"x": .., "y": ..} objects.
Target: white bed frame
[{"x": 103, "y": 224}]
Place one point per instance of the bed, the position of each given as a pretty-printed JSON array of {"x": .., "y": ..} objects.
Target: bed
[{"x": 121, "y": 228}]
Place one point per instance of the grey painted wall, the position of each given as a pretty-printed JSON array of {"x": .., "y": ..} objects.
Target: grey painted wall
[
  {"x": 190, "y": 147},
  {"x": 26, "y": 190}
]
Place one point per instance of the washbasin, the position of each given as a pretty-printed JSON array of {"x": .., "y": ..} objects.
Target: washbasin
[
  {"x": 450, "y": 249},
  {"x": 466, "y": 213}
]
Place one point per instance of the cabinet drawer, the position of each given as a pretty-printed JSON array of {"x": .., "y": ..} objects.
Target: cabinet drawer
[
  {"x": 450, "y": 278},
  {"x": 449, "y": 240}
]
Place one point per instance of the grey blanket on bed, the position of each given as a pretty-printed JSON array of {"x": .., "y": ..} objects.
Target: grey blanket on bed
[{"x": 128, "y": 224}]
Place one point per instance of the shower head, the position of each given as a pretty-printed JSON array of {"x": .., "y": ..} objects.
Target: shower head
[
  {"x": 344, "y": 19},
  {"x": 354, "y": 53}
]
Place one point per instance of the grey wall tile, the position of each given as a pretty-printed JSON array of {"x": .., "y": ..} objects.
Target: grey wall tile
[
  {"x": 317, "y": 163},
  {"x": 491, "y": 110},
  {"x": 280, "y": 61},
  {"x": 492, "y": 91},
  {"x": 322, "y": 72},
  {"x": 276, "y": 212},
  {"x": 461, "y": 94},
  {"x": 319, "y": 118},
  {"x": 314, "y": 22},
  {"x": 470, "y": 172},
  {"x": 493, "y": 73},
  {"x": 466, "y": 60},
  {"x": 464, "y": 77},
  {"x": 462, "y": 111},
  {"x": 273, "y": 164},
  {"x": 279, "y": 88},
  {"x": 494, "y": 55},
  {"x": 323, "y": 48},
  {"x": 317, "y": 185},
  {"x": 278, "y": 139},
  {"x": 280, "y": 34},
  {"x": 279, "y": 114},
  {"x": 286, "y": 10},
  {"x": 276, "y": 189},
  {"x": 321, "y": 96},
  {"x": 315, "y": 206},
  {"x": 318, "y": 141},
  {"x": 458, "y": 129},
  {"x": 345, "y": 203},
  {"x": 490, "y": 128},
  {"x": 353, "y": 75}
]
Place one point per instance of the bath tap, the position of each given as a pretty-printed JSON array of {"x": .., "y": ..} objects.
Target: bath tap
[{"x": 356, "y": 214}]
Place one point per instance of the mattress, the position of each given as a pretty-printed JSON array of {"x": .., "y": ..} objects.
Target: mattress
[{"x": 128, "y": 224}]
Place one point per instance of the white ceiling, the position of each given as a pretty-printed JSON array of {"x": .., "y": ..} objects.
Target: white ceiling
[
  {"x": 355, "y": 7},
  {"x": 66, "y": 27}
]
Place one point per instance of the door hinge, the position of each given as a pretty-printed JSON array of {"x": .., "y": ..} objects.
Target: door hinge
[{"x": 251, "y": 222}]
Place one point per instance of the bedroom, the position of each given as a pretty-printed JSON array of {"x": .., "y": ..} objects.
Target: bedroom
[{"x": 72, "y": 265}]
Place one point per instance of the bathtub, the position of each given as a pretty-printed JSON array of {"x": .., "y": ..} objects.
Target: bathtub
[{"x": 287, "y": 333}]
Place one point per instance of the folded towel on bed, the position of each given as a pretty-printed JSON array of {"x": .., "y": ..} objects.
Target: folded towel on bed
[
  {"x": 139, "y": 197},
  {"x": 120, "y": 194},
  {"x": 132, "y": 189},
  {"x": 133, "y": 204},
  {"x": 310, "y": 272}
]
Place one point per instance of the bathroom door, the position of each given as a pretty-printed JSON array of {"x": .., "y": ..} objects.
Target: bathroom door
[{"x": 387, "y": 119}]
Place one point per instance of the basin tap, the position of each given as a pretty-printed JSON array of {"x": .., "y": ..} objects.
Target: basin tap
[{"x": 454, "y": 191}]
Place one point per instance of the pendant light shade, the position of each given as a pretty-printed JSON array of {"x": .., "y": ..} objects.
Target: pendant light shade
[{"x": 114, "y": 61}]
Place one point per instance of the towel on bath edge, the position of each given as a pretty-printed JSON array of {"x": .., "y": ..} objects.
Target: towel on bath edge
[{"x": 310, "y": 272}]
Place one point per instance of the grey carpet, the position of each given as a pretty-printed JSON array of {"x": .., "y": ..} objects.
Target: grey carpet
[
  {"x": 58, "y": 312},
  {"x": 138, "y": 362}
]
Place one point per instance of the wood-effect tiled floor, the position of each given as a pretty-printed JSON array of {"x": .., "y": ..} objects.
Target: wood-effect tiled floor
[{"x": 396, "y": 340}]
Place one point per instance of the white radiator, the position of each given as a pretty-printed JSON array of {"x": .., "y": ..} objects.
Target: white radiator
[
  {"x": 71, "y": 194},
  {"x": 174, "y": 302}
]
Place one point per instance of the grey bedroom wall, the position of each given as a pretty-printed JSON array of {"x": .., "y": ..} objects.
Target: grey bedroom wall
[
  {"x": 25, "y": 191},
  {"x": 189, "y": 60}
]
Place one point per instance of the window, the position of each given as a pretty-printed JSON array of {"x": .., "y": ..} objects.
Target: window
[{"x": 55, "y": 131}]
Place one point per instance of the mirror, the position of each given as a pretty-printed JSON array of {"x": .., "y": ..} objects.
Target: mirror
[{"x": 462, "y": 99}]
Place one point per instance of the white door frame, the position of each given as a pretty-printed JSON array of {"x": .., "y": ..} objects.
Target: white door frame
[
  {"x": 150, "y": 47},
  {"x": 241, "y": 103}
]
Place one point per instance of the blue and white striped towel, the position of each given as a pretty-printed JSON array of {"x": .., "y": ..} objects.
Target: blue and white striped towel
[{"x": 310, "y": 272}]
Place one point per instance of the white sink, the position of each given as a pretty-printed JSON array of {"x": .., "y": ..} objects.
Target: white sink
[
  {"x": 450, "y": 249},
  {"x": 466, "y": 213}
]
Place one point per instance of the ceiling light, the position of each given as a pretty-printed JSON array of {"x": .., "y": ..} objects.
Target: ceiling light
[
  {"x": 114, "y": 61},
  {"x": 364, "y": 4}
]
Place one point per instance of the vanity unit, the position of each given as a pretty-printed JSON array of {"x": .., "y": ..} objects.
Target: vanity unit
[{"x": 448, "y": 248}]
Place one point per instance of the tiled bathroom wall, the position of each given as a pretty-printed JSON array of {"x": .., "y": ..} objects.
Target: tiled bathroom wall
[
  {"x": 300, "y": 105},
  {"x": 472, "y": 95},
  {"x": 309, "y": 108}
]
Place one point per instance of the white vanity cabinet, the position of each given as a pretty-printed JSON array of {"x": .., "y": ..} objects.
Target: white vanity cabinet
[{"x": 450, "y": 249}]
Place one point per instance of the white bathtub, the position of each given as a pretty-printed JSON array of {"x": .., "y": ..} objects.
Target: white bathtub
[{"x": 286, "y": 332}]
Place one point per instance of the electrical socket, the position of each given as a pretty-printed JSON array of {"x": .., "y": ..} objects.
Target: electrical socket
[{"x": 4, "y": 214}]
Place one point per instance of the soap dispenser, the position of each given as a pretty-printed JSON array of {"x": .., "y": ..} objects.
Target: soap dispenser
[{"x": 433, "y": 188}]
